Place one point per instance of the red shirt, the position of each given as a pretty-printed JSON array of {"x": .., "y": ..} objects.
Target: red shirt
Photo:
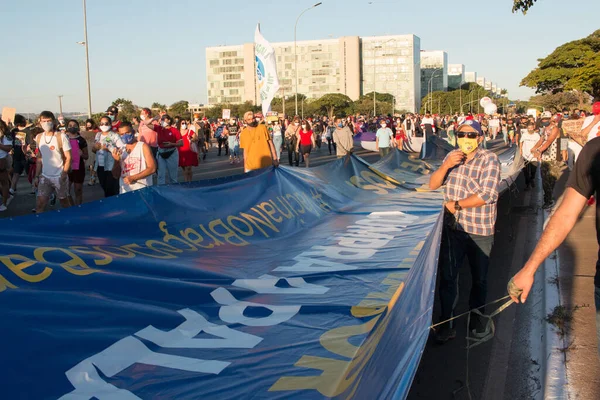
[
  {"x": 167, "y": 135},
  {"x": 116, "y": 125},
  {"x": 305, "y": 137}
]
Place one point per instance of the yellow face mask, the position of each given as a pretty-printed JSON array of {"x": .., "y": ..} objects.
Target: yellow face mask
[{"x": 468, "y": 145}]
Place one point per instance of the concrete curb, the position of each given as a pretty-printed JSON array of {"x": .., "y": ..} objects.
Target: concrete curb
[{"x": 554, "y": 371}]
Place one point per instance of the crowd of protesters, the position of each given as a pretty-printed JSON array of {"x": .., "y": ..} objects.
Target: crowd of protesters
[{"x": 57, "y": 154}]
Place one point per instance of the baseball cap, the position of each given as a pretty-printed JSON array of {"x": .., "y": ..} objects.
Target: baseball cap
[
  {"x": 473, "y": 124},
  {"x": 546, "y": 114},
  {"x": 112, "y": 109},
  {"x": 596, "y": 108}
]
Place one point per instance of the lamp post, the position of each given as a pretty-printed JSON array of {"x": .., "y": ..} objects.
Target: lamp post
[
  {"x": 295, "y": 56},
  {"x": 430, "y": 88},
  {"x": 87, "y": 59}
]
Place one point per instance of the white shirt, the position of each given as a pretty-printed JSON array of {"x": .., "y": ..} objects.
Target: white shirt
[
  {"x": 529, "y": 140},
  {"x": 133, "y": 164},
  {"x": 52, "y": 161},
  {"x": 587, "y": 122},
  {"x": 6, "y": 141}
]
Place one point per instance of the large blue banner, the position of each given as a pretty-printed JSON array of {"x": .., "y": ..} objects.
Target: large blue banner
[{"x": 282, "y": 283}]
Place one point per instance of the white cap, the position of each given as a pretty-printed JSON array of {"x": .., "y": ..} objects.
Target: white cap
[{"x": 546, "y": 114}]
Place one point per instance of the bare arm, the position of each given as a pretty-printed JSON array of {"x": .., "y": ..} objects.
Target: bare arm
[
  {"x": 67, "y": 164},
  {"x": 586, "y": 131},
  {"x": 85, "y": 153},
  {"x": 150, "y": 165}
]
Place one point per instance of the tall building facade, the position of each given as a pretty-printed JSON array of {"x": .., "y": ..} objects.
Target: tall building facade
[
  {"x": 470, "y": 77},
  {"x": 481, "y": 81},
  {"x": 434, "y": 71},
  {"x": 349, "y": 65},
  {"x": 456, "y": 76}
]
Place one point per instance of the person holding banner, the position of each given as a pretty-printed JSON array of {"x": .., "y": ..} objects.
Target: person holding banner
[{"x": 259, "y": 151}]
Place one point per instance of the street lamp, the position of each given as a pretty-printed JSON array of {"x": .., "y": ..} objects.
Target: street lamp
[
  {"x": 430, "y": 88},
  {"x": 87, "y": 59},
  {"x": 375, "y": 77},
  {"x": 295, "y": 56}
]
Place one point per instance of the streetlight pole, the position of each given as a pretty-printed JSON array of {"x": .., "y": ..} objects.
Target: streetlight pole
[
  {"x": 87, "y": 59},
  {"x": 430, "y": 88},
  {"x": 295, "y": 55},
  {"x": 60, "y": 96}
]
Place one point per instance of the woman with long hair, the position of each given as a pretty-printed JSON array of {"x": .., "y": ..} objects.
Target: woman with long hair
[
  {"x": 306, "y": 142},
  {"x": 188, "y": 158}
]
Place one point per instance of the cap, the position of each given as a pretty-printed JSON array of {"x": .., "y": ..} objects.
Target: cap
[
  {"x": 596, "y": 108},
  {"x": 546, "y": 114},
  {"x": 112, "y": 109},
  {"x": 473, "y": 124}
]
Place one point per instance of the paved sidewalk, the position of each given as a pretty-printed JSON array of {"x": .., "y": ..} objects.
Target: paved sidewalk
[{"x": 577, "y": 261}]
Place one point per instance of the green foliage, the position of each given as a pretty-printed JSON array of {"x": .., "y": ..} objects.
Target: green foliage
[
  {"x": 383, "y": 97},
  {"x": 127, "y": 110},
  {"x": 237, "y": 110},
  {"x": 450, "y": 102},
  {"x": 556, "y": 102},
  {"x": 180, "y": 109},
  {"x": 573, "y": 66},
  {"x": 522, "y": 5},
  {"x": 158, "y": 106},
  {"x": 332, "y": 104}
]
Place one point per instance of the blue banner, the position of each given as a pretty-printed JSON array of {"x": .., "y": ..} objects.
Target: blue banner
[{"x": 281, "y": 283}]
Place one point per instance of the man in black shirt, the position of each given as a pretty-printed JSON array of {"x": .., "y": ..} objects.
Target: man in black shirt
[{"x": 584, "y": 182}]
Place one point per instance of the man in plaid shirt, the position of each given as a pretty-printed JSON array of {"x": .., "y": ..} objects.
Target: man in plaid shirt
[{"x": 471, "y": 176}]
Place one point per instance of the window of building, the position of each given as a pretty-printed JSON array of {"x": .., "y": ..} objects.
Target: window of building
[{"x": 214, "y": 63}]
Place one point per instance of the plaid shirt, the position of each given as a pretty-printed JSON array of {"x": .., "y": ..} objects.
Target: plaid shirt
[{"x": 479, "y": 176}]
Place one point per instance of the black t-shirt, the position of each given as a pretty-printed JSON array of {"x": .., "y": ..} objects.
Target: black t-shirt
[{"x": 585, "y": 179}]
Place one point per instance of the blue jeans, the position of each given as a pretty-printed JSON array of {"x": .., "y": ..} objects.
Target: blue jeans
[
  {"x": 455, "y": 246},
  {"x": 277, "y": 142},
  {"x": 169, "y": 166},
  {"x": 597, "y": 301}
]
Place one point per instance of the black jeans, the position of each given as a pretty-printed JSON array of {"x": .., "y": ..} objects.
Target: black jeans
[
  {"x": 223, "y": 141},
  {"x": 109, "y": 184},
  {"x": 293, "y": 156},
  {"x": 455, "y": 246},
  {"x": 529, "y": 171},
  {"x": 330, "y": 142}
]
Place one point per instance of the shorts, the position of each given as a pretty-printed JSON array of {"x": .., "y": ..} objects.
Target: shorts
[
  {"x": 77, "y": 176},
  {"x": 305, "y": 148},
  {"x": 19, "y": 163},
  {"x": 47, "y": 186},
  {"x": 564, "y": 143}
]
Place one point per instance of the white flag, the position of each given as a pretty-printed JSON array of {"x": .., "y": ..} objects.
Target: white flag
[{"x": 266, "y": 70}]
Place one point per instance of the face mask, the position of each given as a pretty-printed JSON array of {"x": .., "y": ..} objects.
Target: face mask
[
  {"x": 468, "y": 145},
  {"x": 128, "y": 138},
  {"x": 383, "y": 125},
  {"x": 303, "y": 126},
  {"x": 257, "y": 119},
  {"x": 297, "y": 123},
  {"x": 183, "y": 126},
  {"x": 341, "y": 125},
  {"x": 253, "y": 124},
  {"x": 73, "y": 130},
  {"x": 112, "y": 117},
  {"x": 163, "y": 124},
  {"x": 47, "y": 126},
  {"x": 105, "y": 128},
  {"x": 142, "y": 117},
  {"x": 545, "y": 123}
]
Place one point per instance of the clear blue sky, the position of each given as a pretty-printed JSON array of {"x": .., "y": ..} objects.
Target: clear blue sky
[{"x": 150, "y": 50}]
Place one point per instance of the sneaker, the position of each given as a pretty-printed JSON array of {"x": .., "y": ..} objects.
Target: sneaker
[
  {"x": 3, "y": 208},
  {"x": 444, "y": 334},
  {"x": 10, "y": 199},
  {"x": 12, "y": 191},
  {"x": 479, "y": 327},
  {"x": 230, "y": 161}
]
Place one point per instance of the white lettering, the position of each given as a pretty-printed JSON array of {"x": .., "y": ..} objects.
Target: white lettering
[
  {"x": 266, "y": 284},
  {"x": 305, "y": 264}
]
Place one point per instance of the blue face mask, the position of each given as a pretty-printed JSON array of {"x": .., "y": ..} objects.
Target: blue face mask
[
  {"x": 112, "y": 117},
  {"x": 341, "y": 125},
  {"x": 128, "y": 138}
]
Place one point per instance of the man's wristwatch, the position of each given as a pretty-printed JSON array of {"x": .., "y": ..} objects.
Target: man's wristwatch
[{"x": 457, "y": 206}]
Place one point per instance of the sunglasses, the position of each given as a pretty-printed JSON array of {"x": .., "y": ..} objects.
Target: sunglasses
[
  {"x": 110, "y": 113},
  {"x": 469, "y": 135},
  {"x": 105, "y": 124}
]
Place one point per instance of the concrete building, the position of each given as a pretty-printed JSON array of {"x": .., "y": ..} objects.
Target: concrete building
[
  {"x": 488, "y": 85},
  {"x": 456, "y": 76},
  {"x": 470, "y": 77},
  {"x": 481, "y": 81},
  {"x": 349, "y": 65},
  {"x": 434, "y": 71}
]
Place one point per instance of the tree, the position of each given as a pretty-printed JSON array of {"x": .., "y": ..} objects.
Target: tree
[
  {"x": 179, "y": 108},
  {"x": 556, "y": 101},
  {"x": 522, "y": 5},
  {"x": 332, "y": 103},
  {"x": 384, "y": 97},
  {"x": 127, "y": 110},
  {"x": 573, "y": 66},
  {"x": 158, "y": 106}
]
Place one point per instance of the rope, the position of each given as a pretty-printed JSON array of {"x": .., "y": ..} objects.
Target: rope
[{"x": 474, "y": 309}]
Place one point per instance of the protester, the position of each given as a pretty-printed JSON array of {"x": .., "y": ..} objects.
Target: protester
[
  {"x": 6, "y": 145},
  {"x": 583, "y": 182},
  {"x": 22, "y": 140},
  {"x": 546, "y": 150},
  {"x": 221, "y": 138},
  {"x": 384, "y": 139},
  {"x": 135, "y": 164},
  {"x": 169, "y": 140},
  {"x": 188, "y": 158},
  {"x": 306, "y": 142},
  {"x": 233, "y": 141},
  {"x": 53, "y": 163},
  {"x": 277, "y": 139},
  {"x": 400, "y": 135},
  {"x": 471, "y": 175},
  {"x": 146, "y": 132},
  {"x": 79, "y": 155},
  {"x": 291, "y": 142},
  {"x": 343, "y": 138},
  {"x": 329, "y": 135},
  {"x": 528, "y": 142},
  {"x": 62, "y": 127},
  {"x": 591, "y": 124},
  {"x": 113, "y": 113},
  {"x": 90, "y": 126},
  {"x": 105, "y": 142},
  {"x": 259, "y": 151}
]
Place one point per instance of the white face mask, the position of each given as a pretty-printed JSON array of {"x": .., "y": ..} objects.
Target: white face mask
[
  {"x": 296, "y": 123},
  {"x": 105, "y": 128},
  {"x": 383, "y": 125},
  {"x": 183, "y": 126},
  {"x": 303, "y": 126},
  {"x": 163, "y": 124},
  {"x": 142, "y": 117},
  {"x": 47, "y": 126}
]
